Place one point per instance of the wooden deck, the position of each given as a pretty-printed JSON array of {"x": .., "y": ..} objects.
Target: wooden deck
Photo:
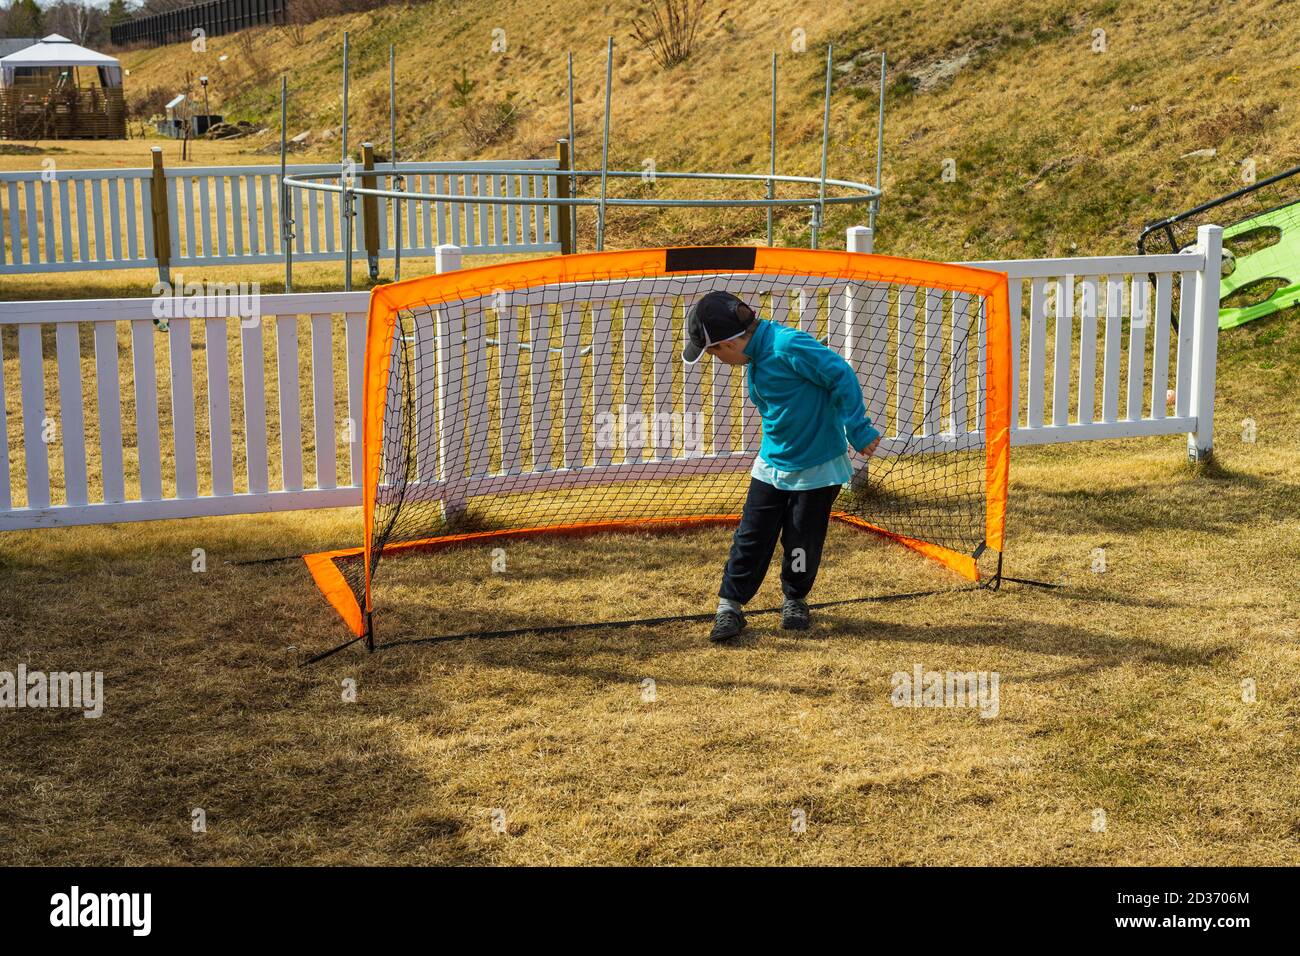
[{"x": 34, "y": 113}]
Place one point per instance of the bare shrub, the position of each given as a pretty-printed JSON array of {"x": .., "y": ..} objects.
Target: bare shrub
[
  {"x": 668, "y": 29},
  {"x": 249, "y": 55},
  {"x": 144, "y": 104},
  {"x": 484, "y": 123},
  {"x": 488, "y": 123}
]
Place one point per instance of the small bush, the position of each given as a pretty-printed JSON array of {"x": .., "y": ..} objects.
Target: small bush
[
  {"x": 488, "y": 123},
  {"x": 145, "y": 104},
  {"x": 668, "y": 29}
]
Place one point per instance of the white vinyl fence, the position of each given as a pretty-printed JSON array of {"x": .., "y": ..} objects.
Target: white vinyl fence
[
  {"x": 235, "y": 414},
  {"x": 60, "y": 221}
]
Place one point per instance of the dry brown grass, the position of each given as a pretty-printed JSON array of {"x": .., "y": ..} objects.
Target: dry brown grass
[{"x": 1122, "y": 692}]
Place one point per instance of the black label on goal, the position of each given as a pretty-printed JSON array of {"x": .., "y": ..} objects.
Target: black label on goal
[{"x": 709, "y": 258}]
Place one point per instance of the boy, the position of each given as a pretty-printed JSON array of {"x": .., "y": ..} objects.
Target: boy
[{"x": 810, "y": 402}]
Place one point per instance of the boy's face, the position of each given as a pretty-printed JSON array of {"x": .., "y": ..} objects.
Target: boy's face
[{"x": 730, "y": 352}]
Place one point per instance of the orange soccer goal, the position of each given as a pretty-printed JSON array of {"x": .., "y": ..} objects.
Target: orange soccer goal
[{"x": 550, "y": 397}]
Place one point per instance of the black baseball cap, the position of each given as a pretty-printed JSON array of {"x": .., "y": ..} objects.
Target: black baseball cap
[{"x": 714, "y": 318}]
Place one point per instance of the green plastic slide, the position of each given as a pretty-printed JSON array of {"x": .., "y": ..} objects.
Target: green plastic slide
[{"x": 1279, "y": 261}]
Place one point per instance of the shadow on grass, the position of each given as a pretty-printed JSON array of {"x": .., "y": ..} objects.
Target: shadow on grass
[
  {"x": 1202, "y": 504},
  {"x": 1097, "y": 649}
]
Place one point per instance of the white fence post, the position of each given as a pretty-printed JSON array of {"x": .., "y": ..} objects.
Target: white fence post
[
  {"x": 451, "y": 387},
  {"x": 1205, "y": 341},
  {"x": 856, "y": 239},
  {"x": 860, "y": 239},
  {"x": 446, "y": 258}
]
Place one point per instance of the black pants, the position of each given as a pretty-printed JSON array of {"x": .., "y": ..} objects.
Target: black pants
[{"x": 799, "y": 518}]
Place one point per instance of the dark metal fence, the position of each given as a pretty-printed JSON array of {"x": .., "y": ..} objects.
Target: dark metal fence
[{"x": 214, "y": 18}]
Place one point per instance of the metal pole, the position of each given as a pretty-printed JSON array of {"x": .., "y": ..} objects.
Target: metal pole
[
  {"x": 573, "y": 183},
  {"x": 344, "y": 137},
  {"x": 820, "y": 215},
  {"x": 345, "y": 206},
  {"x": 286, "y": 222},
  {"x": 392, "y": 158},
  {"x": 347, "y": 234},
  {"x": 771, "y": 183},
  {"x": 604, "y": 150},
  {"x": 880, "y": 145}
]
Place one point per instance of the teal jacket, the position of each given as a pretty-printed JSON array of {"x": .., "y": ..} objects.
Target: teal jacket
[{"x": 808, "y": 397}]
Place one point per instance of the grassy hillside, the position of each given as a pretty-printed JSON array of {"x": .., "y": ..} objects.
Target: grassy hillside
[{"x": 1064, "y": 141}]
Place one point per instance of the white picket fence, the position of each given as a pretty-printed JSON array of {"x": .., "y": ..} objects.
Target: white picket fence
[
  {"x": 265, "y": 425},
  {"x": 62, "y": 221},
  {"x": 1105, "y": 293}
]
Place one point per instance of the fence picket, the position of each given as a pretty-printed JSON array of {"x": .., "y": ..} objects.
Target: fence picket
[
  {"x": 33, "y": 235},
  {"x": 132, "y": 242},
  {"x": 237, "y": 223},
  {"x": 205, "y": 218},
  {"x": 47, "y": 208},
  {"x": 65, "y": 220},
  {"x": 451, "y": 378},
  {"x": 1088, "y": 351},
  {"x": 1160, "y": 346},
  {"x": 571, "y": 380},
  {"x": 602, "y": 388},
  {"x": 322, "y": 398},
  {"x": 931, "y": 373},
  {"x": 71, "y": 412},
  {"x": 1110, "y": 356},
  {"x": 217, "y": 351},
  {"x": 1139, "y": 316},
  {"x": 286, "y": 359},
  {"x": 191, "y": 243},
  {"x": 1186, "y": 329},
  {"x": 252, "y": 216},
  {"x": 905, "y": 418},
  {"x": 961, "y": 324},
  {"x": 148, "y": 444},
  {"x": 115, "y": 218},
  {"x": 184, "y": 436},
  {"x": 31, "y": 380},
  {"x": 252, "y": 359},
  {"x": 15, "y": 231},
  {"x": 266, "y": 215},
  {"x": 84, "y": 251},
  {"x": 633, "y": 384},
  {"x": 219, "y": 184},
  {"x": 1062, "y": 350},
  {"x": 663, "y": 377},
  {"x": 1037, "y": 384},
  {"x": 508, "y": 419},
  {"x": 355, "y": 323},
  {"x": 109, "y": 398},
  {"x": 6, "y": 488}
]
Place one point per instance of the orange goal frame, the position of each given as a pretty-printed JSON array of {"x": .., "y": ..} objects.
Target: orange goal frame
[{"x": 387, "y": 301}]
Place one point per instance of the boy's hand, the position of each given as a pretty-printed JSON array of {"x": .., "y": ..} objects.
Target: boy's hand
[{"x": 871, "y": 449}]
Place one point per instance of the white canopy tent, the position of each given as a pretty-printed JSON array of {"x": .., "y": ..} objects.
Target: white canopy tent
[{"x": 56, "y": 52}]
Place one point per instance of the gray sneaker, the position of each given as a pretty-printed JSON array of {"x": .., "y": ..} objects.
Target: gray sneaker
[
  {"x": 795, "y": 615},
  {"x": 727, "y": 624}
]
